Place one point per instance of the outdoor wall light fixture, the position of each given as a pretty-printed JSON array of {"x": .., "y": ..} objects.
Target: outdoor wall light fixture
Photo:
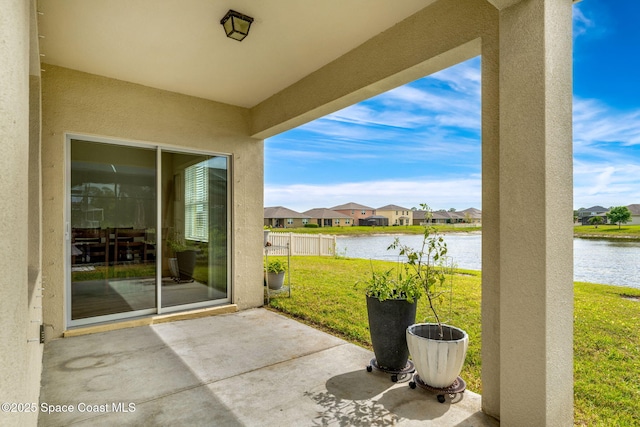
[{"x": 236, "y": 25}]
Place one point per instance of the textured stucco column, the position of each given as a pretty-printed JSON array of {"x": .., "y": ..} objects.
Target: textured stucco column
[
  {"x": 535, "y": 197},
  {"x": 19, "y": 367}
]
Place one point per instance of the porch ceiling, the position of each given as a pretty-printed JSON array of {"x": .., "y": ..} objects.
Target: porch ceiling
[{"x": 180, "y": 46}]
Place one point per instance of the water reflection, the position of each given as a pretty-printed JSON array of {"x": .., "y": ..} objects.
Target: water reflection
[{"x": 609, "y": 261}]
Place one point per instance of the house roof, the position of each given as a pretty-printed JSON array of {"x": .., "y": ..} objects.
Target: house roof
[
  {"x": 594, "y": 209},
  {"x": 419, "y": 214},
  {"x": 442, "y": 214},
  {"x": 634, "y": 208},
  {"x": 351, "y": 206},
  {"x": 323, "y": 213},
  {"x": 281, "y": 212},
  {"x": 392, "y": 208},
  {"x": 180, "y": 46},
  {"x": 472, "y": 212}
]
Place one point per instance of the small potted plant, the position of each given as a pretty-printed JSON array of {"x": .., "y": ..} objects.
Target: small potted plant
[{"x": 275, "y": 273}]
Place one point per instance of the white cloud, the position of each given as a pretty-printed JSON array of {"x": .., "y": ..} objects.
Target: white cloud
[
  {"x": 581, "y": 24},
  {"x": 596, "y": 122},
  {"x": 605, "y": 183}
]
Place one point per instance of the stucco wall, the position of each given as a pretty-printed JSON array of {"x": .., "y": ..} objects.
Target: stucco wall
[
  {"x": 20, "y": 351},
  {"x": 75, "y": 102}
]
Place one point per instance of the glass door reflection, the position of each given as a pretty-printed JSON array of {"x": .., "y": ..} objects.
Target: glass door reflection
[
  {"x": 112, "y": 229},
  {"x": 194, "y": 229}
]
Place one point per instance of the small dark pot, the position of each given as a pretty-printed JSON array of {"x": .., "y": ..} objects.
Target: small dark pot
[
  {"x": 388, "y": 323},
  {"x": 186, "y": 264}
]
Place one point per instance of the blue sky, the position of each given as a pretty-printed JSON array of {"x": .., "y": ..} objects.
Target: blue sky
[{"x": 421, "y": 142}]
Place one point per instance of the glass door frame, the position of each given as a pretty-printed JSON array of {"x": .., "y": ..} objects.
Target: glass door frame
[{"x": 158, "y": 148}]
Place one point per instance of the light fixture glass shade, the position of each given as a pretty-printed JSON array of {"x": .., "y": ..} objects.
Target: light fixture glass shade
[{"x": 236, "y": 25}]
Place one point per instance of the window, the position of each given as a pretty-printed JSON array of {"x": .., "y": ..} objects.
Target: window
[
  {"x": 196, "y": 203},
  {"x": 289, "y": 221}
]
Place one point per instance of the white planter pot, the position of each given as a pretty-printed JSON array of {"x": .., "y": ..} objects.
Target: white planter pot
[
  {"x": 173, "y": 267},
  {"x": 438, "y": 362}
]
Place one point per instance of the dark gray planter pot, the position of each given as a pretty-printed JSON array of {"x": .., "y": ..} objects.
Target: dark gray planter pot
[
  {"x": 186, "y": 264},
  {"x": 388, "y": 322},
  {"x": 276, "y": 280}
]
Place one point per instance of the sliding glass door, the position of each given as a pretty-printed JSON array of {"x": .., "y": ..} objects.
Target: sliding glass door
[
  {"x": 195, "y": 223},
  {"x": 148, "y": 231}
]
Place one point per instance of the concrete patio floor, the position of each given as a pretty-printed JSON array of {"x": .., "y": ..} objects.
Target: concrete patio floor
[{"x": 251, "y": 368}]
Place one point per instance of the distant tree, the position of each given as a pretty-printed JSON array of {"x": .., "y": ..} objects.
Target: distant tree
[
  {"x": 452, "y": 209},
  {"x": 595, "y": 220},
  {"x": 619, "y": 215}
]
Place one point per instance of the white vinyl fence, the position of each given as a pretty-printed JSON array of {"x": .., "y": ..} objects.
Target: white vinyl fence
[{"x": 302, "y": 244}]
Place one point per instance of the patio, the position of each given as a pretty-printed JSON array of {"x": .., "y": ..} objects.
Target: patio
[
  {"x": 253, "y": 367},
  {"x": 181, "y": 87}
]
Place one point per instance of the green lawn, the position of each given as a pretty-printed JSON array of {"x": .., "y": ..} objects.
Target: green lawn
[
  {"x": 606, "y": 336},
  {"x": 362, "y": 230},
  {"x": 628, "y": 231},
  {"x": 603, "y": 231}
]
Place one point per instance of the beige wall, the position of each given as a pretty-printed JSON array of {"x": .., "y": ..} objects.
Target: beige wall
[
  {"x": 20, "y": 315},
  {"x": 394, "y": 216},
  {"x": 87, "y": 104}
]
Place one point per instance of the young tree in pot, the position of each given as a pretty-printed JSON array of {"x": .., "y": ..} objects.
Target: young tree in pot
[
  {"x": 391, "y": 307},
  {"x": 438, "y": 350}
]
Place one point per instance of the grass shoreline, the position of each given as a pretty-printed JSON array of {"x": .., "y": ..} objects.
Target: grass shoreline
[
  {"x": 629, "y": 232},
  {"x": 606, "y": 332}
]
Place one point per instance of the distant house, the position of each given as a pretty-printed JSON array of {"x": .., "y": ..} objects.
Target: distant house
[
  {"x": 356, "y": 211},
  {"x": 328, "y": 218},
  {"x": 472, "y": 215},
  {"x": 585, "y": 214},
  {"x": 281, "y": 217},
  {"x": 397, "y": 215},
  {"x": 446, "y": 217},
  {"x": 419, "y": 217},
  {"x": 635, "y": 214},
  {"x": 469, "y": 216}
]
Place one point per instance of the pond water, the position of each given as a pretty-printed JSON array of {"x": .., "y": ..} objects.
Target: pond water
[{"x": 608, "y": 261}]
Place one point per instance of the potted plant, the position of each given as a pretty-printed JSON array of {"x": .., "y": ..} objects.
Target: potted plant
[
  {"x": 275, "y": 273},
  {"x": 184, "y": 263},
  {"x": 438, "y": 350},
  {"x": 392, "y": 298}
]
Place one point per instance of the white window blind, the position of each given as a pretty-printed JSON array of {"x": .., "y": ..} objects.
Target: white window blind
[{"x": 196, "y": 202}]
